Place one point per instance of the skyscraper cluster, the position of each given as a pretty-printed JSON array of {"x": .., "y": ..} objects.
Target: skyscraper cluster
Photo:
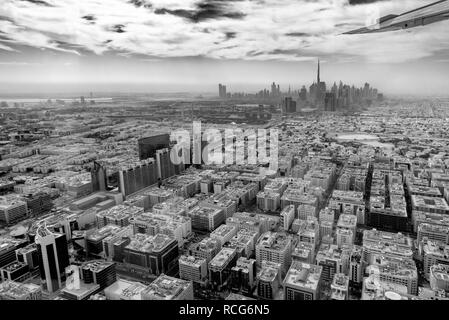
[{"x": 222, "y": 91}]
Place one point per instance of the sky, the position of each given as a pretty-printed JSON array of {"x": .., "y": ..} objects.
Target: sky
[{"x": 192, "y": 45}]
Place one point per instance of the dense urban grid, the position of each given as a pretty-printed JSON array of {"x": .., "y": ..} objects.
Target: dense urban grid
[{"x": 92, "y": 207}]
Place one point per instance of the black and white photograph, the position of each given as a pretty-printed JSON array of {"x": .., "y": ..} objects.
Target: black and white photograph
[{"x": 231, "y": 154}]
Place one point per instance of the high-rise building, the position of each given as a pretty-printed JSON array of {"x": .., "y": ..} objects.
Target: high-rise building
[
  {"x": 99, "y": 177},
  {"x": 439, "y": 277},
  {"x": 345, "y": 237},
  {"x": 136, "y": 176},
  {"x": 356, "y": 267},
  {"x": 29, "y": 255},
  {"x": 333, "y": 260},
  {"x": 330, "y": 102},
  {"x": 118, "y": 215},
  {"x": 96, "y": 244},
  {"x": 99, "y": 272},
  {"x": 274, "y": 247},
  {"x": 386, "y": 243},
  {"x": 302, "y": 282},
  {"x": 287, "y": 216},
  {"x": 220, "y": 267},
  {"x": 326, "y": 228},
  {"x": 303, "y": 94},
  {"x": 347, "y": 228},
  {"x": 224, "y": 233},
  {"x": 8, "y": 247},
  {"x": 269, "y": 280},
  {"x": 304, "y": 252},
  {"x": 204, "y": 218},
  {"x": 435, "y": 252},
  {"x": 396, "y": 270},
  {"x": 15, "y": 271},
  {"x": 12, "y": 209},
  {"x": 289, "y": 105},
  {"x": 53, "y": 258},
  {"x": 165, "y": 167},
  {"x": 151, "y": 254},
  {"x": 205, "y": 249},
  {"x": 320, "y": 89},
  {"x": 192, "y": 268},
  {"x": 340, "y": 287},
  {"x": 243, "y": 275},
  {"x": 148, "y": 145},
  {"x": 433, "y": 232},
  {"x": 222, "y": 91}
]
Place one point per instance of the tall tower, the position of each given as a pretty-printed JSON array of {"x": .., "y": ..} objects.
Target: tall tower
[
  {"x": 318, "y": 73},
  {"x": 53, "y": 258}
]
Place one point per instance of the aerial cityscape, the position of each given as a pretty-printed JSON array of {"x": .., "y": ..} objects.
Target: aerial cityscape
[{"x": 316, "y": 185}]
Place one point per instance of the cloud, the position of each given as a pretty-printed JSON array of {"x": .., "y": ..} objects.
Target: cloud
[
  {"x": 38, "y": 2},
  {"x": 289, "y": 30},
  {"x": 141, "y": 3},
  {"x": 205, "y": 10},
  {"x": 6, "y": 48},
  {"x": 358, "y": 2},
  {"x": 18, "y": 63}
]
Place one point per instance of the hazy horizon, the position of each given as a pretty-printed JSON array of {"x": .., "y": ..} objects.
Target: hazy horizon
[{"x": 179, "y": 46}]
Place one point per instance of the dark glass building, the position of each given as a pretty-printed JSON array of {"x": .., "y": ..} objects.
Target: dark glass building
[{"x": 149, "y": 145}]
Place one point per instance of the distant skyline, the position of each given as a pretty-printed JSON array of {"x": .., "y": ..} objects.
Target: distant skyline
[{"x": 192, "y": 45}]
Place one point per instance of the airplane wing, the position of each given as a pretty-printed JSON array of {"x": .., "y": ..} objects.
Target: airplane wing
[
  {"x": 431, "y": 13},
  {"x": 360, "y": 31},
  {"x": 380, "y": 26}
]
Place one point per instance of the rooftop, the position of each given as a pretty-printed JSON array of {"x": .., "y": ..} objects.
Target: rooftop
[
  {"x": 126, "y": 289},
  {"x": 222, "y": 258},
  {"x": 149, "y": 244},
  {"x": 120, "y": 212},
  {"x": 303, "y": 275},
  {"x": 16, "y": 290},
  {"x": 104, "y": 232},
  {"x": 429, "y": 202},
  {"x": 191, "y": 261},
  {"x": 96, "y": 265},
  {"x": 8, "y": 243},
  {"x": 274, "y": 241},
  {"x": 269, "y": 271},
  {"x": 347, "y": 221},
  {"x": 440, "y": 272},
  {"x": 165, "y": 288},
  {"x": 436, "y": 248}
]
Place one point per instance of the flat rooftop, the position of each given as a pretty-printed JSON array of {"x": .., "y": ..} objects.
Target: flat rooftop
[
  {"x": 274, "y": 241},
  {"x": 432, "y": 203},
  {"x": 166, "y": 288},
  {"x": 269, "y": 271},
  {"x": 120, "y": 212},
  {"x": 17, "y": 290},
  {"x": 223, "y": 230},
  {"x": 222, "y": 258},
  {"x": 97, "y": 265},
  {"x": 303, "y": 275},
  {"x": 191, "y": 261},
  {"x": 149, "y": 244},
  {"x": 126, "y": 289},
  {"x": 347, "y": 221},
  {"x": 374, "y": 236}
]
